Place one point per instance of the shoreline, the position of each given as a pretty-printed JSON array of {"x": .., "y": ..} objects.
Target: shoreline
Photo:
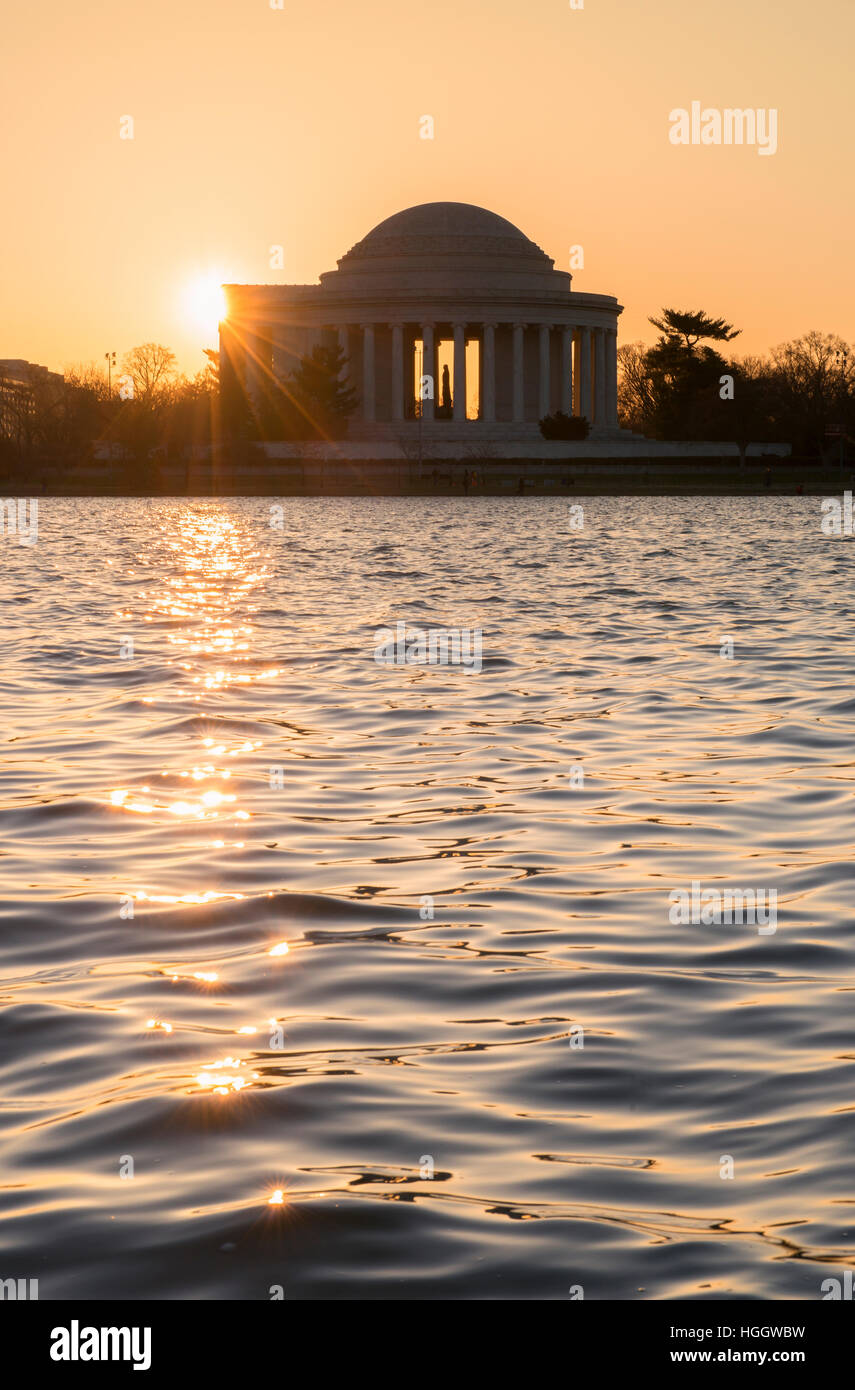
[{"x": 473, "y": 478}]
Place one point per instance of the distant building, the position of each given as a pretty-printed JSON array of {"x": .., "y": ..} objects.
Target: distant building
[
  {"x": 447, "y": 273},
  {"x": 24, "y": 387},
  {"x": 17, "y": 372}
]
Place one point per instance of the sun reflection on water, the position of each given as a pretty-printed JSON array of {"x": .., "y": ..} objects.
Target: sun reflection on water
[
  {"x": 205, "y": 607},
  {"x": 199, "y": 617},
  {"x": 224, "y": 1077}
]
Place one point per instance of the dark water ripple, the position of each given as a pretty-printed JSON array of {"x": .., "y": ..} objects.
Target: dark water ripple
[{"x": 250, "y": 777}]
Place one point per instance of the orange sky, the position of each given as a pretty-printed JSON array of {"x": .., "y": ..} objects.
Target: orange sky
[{"x": 257, "y": 126}]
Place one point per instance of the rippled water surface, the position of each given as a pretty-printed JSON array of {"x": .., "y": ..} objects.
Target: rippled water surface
[{"x": 471, "y": 874}]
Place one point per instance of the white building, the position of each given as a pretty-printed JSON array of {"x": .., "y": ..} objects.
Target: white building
[{"x": 441, "y": 285}]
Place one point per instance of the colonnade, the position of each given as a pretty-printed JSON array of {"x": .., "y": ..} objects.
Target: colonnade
[
  {"x": 526, "y": 370},
  {"x": 578, "y": 375}
]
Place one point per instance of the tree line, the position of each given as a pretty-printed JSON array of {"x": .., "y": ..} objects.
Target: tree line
[
  {"x": 685, "y": 386},
  {"x": 146, "y": 409}
]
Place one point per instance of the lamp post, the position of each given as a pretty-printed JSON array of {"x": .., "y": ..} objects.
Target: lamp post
[{"x": 111, "y": 362}]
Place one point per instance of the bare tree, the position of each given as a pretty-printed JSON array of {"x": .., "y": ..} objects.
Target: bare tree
[
  {"x": 88, "y": 377},
  {"x": 151, "y": 367},
  {"x": 635, "y": 388},
  {"x": 818, "y": 367}
]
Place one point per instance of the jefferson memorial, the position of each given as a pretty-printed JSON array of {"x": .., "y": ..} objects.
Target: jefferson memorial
[{"x": 456, "y": 328}]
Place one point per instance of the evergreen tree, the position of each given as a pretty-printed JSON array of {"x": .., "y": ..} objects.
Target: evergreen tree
[
  {"x": 684, "y": 377},
  {"x": 693, "y": 325},
  {"x": 321, "y": 398}
]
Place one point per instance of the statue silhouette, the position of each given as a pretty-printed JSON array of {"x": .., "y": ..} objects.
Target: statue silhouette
[{"x": 445, "y": 399}]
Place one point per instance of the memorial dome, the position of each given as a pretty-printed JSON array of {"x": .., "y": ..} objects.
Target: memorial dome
[{"x": 445, "y": 229}]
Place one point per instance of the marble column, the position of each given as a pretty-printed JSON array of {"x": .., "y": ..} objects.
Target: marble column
[
  {"x": 368, "y": 371},
  {"x": 488, "y": 374},
  {"x": 611, "y": 378},
  {"x": 545, "y": 383},
  {"x": 586, "y": 405},
  {"x": 600, "y": 377},
  {"x": 519, "y": 378},
  {"x": 344, "y": 345},
  {"x": 428, "y": 369},
  {"x": 459, "y": 389},
  {"x": 397, "y": 371},
  {"x": 567, "y": 371}
]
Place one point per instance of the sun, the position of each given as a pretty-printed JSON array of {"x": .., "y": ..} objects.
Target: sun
[{"x": 204, "y": 301}]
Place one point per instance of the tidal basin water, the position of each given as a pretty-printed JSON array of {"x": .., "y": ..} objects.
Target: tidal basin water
[{"x": 489, "y": 1064}]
